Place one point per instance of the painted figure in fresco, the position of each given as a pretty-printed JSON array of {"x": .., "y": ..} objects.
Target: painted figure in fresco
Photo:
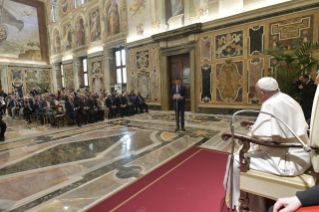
[
  {"x": 57, "y": 42},
  {"x": 80, "y": 33},
  {"x": 95, "y": 26},
  {"x": 177, "y": 7},
  {"x": 98, "y": 84},
  {"x": 138, "y": 7},
  {"x": 67, "y": 38},
  {"x": 64, "y": 5},
  {"x": 140, "y": 30},
  {"x": 113, "y": 20}
]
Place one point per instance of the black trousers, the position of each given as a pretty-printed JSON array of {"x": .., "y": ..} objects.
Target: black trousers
[
  {"x": 84, "y": 115},
  {"x": 130, "y": 110},
  {"x": 122, "y": 111},
  {"x": 74, "y": 115},
  {"x": 27, "y": 114},
  {"x": 141, "y": 105},
  {"x": 92, "y": 115},
  {"x": 3, "y": 127},
  {"x": 100, "y": 115},
  {"x": 307, "y": 108},
  {"x": 113, "y": 112},
  {"x": 179, "y": 111}
]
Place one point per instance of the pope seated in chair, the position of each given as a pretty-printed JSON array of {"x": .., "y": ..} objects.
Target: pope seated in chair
[{"x": 279, "y": 161}]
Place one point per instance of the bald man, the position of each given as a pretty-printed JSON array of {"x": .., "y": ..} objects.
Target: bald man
[{"x": 279, "y": 161}]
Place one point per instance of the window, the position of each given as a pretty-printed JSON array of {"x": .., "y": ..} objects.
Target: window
[
  {"x": 120, "y": 66},
  {"x": 62, "y": 76},
  {"x": 85, "y": 72},
  {"x": 78, "y": 3},
  {"x": 54, "y": 11}
]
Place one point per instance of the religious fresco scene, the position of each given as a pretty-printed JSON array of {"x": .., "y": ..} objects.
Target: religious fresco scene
[
  {"x": 19, "y": 33},
  {"x": 159, "y": 145}
]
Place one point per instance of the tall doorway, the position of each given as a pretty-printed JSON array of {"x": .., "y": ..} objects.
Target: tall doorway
[{"x": 179, "y": 67}]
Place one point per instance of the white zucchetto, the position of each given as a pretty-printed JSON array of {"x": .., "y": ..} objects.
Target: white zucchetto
[{"x": 268, "y": 84}]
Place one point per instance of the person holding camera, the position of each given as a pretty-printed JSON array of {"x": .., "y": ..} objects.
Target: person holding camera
[{"x": 307, "y": 90}]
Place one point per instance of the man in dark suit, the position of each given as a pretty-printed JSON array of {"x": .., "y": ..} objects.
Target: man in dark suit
[
  {"x": 92, "y": 109},
  {"x": 179, "y": 94},
  {"x": 121, "y": 105},
  {"x": 307, "y": 92},
  {"x": 27, "y": 109},
  {"x": 82, "y": 110},
  {"x": 305, "y": 198},
  {"x": 141, "y": 103},
  {"x": 130, "y": 105},
  {"x": 111, "y": 104},
  {"x": 3, "y": 128},
  {"x": 47, "y": 110},
  {"x": 72, "y": 109}
]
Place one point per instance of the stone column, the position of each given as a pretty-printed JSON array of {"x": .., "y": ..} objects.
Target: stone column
[
  {"x": 213, "y": 9},
  {"x": 106, "y": 70}
]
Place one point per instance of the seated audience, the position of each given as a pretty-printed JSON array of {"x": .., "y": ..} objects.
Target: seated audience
[
  {"x": 141, "y": 103},
  {"x": 72, "y": 109},
  {"x": 102, "y": 106},
  {"x": 47, "y": 110},
  {"x": 279, "y": 161},
  {"x": 37, "y": 108},
  {"x": 93, "y": 110},
  {"x": 3, "y": 128},
  {"x": 27, "y": 109},
  {"x": 111, "y": 104},
  {"x": 121, "y": 105},
  {"x": 83, "y": 111},
  {"x": 130, "y": 106}
]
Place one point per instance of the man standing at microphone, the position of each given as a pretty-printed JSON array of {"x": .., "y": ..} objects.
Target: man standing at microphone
[{"x": 179, "y": 94}]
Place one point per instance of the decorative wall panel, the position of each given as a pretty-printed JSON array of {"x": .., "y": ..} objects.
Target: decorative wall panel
[
  {"x": 291, "y": 32},
  {"x": 144, "y": 84},
  {"x": 229, "y": 45},
  {"x": 68, "y": 77},
  {"x": 142, "y": 59},
  {"x": 95, "y": 25},
  {"x": 67, "y": 37},
  {"x": 229, "y": 82},
  {"x": 133, "y": 82},
  {"x": 255, "y": 72},
  {"x": 206, "y": 83},
  {"x": 31, "y": 75},
  {"x": 256, "y": 40},
  {"x": 155, "y": 57},
  {"x": 205, "y": 49},
  {"x": 155, "y": 86},
  {"x": 96, "y": 73}
]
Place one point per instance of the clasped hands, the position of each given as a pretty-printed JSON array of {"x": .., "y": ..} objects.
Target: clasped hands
[{"x": 179, "y": 98}]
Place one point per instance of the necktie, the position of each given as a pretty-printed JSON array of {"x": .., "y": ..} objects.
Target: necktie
[{"x": 72, "y": 105}]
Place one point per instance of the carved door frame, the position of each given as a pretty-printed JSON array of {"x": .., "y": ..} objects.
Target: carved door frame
[{"x": 164, "y": 75}]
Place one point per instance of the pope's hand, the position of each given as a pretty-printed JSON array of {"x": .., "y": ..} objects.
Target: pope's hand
[{"x": 289, "y": 204}]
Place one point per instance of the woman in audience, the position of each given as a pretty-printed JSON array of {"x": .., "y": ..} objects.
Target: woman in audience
[{"x": 102, "y": 106}]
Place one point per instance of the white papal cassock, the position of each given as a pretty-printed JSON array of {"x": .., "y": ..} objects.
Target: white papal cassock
[{"x": 280, "y": 161}]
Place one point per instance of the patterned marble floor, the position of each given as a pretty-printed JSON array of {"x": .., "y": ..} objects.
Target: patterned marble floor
[{"x": 71, "y": 168}]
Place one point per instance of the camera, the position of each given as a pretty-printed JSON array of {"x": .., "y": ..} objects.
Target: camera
[{"x": 296, "y": 83}]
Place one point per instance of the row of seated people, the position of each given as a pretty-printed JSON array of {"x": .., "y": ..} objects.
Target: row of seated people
[{"x": 90, "y": 107}]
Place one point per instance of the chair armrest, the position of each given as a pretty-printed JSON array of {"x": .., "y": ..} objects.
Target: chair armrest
[
  {"x": 246, "y": 123},
  {"x": 226, "y": 135}
]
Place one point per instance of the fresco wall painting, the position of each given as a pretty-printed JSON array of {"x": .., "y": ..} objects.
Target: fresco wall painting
[
  {"x": 68, "y": 77},
  {"x": 255, "y": 72}
]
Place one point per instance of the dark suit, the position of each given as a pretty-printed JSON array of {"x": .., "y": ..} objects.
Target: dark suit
[
  {"x": 28, "y": 108},
  {"x": 122, "y": 110},
  {"x": 92, "y": 113},
  {"x": 82, "y": 111},
  {"x": 3, "y": 127},
  {"x": 100, "y": 112},
  {"x": 307, "y": 198},
  {"x": 70, "y": 110},
  {"x": 307, "y": 95},
  {"x": 179, "y": 105},
  {"x": 130, "y": 108},
  {"x": 110, "y": 103},
  {"x": 141, "y": 103}
]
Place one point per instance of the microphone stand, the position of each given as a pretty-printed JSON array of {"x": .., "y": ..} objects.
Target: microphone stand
[{"x": 232, "y": 127}]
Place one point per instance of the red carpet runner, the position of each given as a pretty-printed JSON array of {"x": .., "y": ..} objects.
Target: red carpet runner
[{"x": 192, "y": 181}]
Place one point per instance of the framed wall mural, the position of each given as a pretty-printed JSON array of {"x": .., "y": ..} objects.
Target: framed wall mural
[
  {"x": 256, "y": 40},
  {"x": 23, "y": 33},
  {"x": 31, "y": 75},
  {"x": 255, "y": 72},
  {"x": 95, "y": 25},
  {"x": 96, "y": 74},
  {"x": 56, "y": 42},
  {"x": 142, "y": 59},
  {"x": 98, "y": 84}
]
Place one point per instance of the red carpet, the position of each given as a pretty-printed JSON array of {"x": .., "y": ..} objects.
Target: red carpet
[
  {"x": 309, "y": 209},
  {"x": 192, "y": 181}
]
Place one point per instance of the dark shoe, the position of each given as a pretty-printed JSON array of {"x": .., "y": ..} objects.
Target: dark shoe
[
  {"x": 176, "y": 129},
  {"x": 79, "y": 125},
  {"x": 2, "y": 139},
  {"x": 183, "y": 129}
]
